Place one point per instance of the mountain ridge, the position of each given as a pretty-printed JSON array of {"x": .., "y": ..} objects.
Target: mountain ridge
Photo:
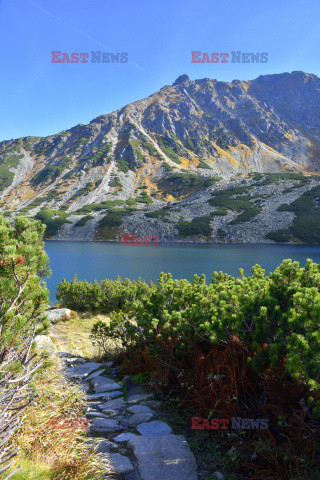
[{"x": 165, "y": 148}]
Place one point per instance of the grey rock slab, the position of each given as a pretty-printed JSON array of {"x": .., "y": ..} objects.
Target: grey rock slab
[
  {"x": 95, "y": 374},
  {"x": 116, "y": 404},
  {"x": 105, "y": 425},
  {"x": 118, "y": 464},
  {"x": 104, "y": 446},
  {"x": 96, "y": 415},
  {"x": 124, "y": 437},
  {"x": 139, "y": 409},
  {"x": 104, "y": 395},
  {"x": 155, "y": 428},
  {"x": 104, "y": 384},
  {"x": 120, "y": 418},
  {"x": 111, "y": 412},
  {"x": 136, "y": 419},
  {"x": 82, "y": 371},
  {"x": 164, "y": 457}
]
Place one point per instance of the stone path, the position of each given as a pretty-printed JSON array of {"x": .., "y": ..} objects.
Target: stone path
[{"x": 130, "y": 437}]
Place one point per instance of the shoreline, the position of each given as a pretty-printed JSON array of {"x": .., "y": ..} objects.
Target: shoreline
[{"x": 177, "y": 242}]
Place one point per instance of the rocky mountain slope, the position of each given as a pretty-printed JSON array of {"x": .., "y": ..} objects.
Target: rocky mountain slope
[{"x": 202, "y": 160}]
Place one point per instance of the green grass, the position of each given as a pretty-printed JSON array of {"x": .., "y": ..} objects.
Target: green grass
[
  {"x": 73, "y": 335},
  {"x": 51, "y": 172},
  {"x": 53, "y": 219},
  {"x": 162, "y": 214},
  {"x": 115, "y": 182},
  {"x": 113, "y": 219},
  {"x": 220, "y": 211},
  {"x": 306, "y": 224},
  {"x": 241, "y": 203},
  {"x": 123, "y": 165},
  {"x": 281, "y": 235},
  {"x": 6, "y": 176},
  {"x": 99, "y": 157},
  {"x": 247, "y": 215},
  {"x": 203, "y": 164},
  {"x": 131, "y": 201},
  {"x": 31, "y": 470},
  {"x": 169, "y": 147},
  {"x": 83, "y": 221},
  {"x": 82, "y": 191},
  {"x": 198, "y": 226},
  {"x": 270, "y": 178},
  {"x": 167, "y": 167},
  {"x": 144, "y": 198},
  {"x": 95, "y": 207},
  {"x": 191, "y": 180}
]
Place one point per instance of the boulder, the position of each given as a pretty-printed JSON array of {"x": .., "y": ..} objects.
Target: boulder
[
  {"x": 58, "y": 314},
  {"x": 45, "y": 344}
]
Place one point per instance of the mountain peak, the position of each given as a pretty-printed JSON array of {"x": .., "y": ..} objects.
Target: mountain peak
[{"x": 181, "y": 79}]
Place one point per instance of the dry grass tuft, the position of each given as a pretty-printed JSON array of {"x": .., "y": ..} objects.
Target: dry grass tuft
[{"x": 54, "y": 429}]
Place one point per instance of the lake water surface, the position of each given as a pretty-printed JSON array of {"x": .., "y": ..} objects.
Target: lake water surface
[{"x": 99, "y": 260}]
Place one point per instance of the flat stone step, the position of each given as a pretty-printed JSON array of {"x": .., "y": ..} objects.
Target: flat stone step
[
  {"x": 104, "y": 395},
  {"x": 164, "y": 457},
  {"x": 136, "y": 419},
  {"x": 139, "y": 409},
  {"x": 116, "y": 404},
  {"x": 82, "y": 371},
  {"x": 138, "y": 397},
  {"x": 95, "y": 374},
  {"x": 104, "y": 384},
  {"x": 96, "y": 415},
  {"x": 155, "y": 428},
  {"x": 118, "y": 464},
  {"x": 124, "y": 437},
  {"x": 105, "y": 425},
  {"x": 105, "y": 446}
]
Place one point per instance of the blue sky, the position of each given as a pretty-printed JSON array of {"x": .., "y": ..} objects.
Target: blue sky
[{"x": 39, "y": 98}]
